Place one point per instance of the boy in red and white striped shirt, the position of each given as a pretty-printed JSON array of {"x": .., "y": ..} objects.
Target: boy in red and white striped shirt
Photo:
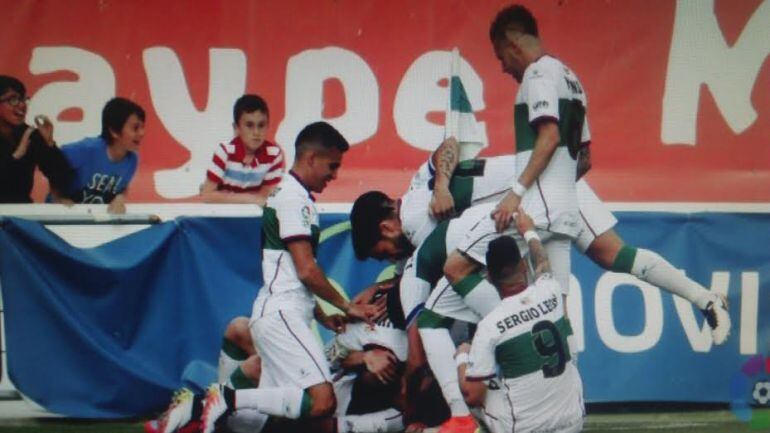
[{"x": 247, "y": 168}]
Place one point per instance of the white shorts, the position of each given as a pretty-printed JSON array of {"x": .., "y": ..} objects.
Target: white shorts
[
  {"x": 476, "y": 242},
  {"x": 291, "y": 353},
  {"x": 499, "y": 174},
  {"x": 445, "y": 301},
  {"x": 595, "y": 217}
]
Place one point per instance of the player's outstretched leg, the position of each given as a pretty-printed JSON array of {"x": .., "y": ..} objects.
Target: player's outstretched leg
[
  {"x": 439, "y": 350},
  {"x": 609, "y": 251}
]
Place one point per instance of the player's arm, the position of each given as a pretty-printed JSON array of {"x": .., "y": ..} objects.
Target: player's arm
[
  {"x": 332, "y": 322},
  {"x": 526, "y": 228},
  {"x": 445, "y": 160},
  {"x": 366, "y": 295},
  {"x": 315, "y": 280},
  {"x": 473, "y": 390},
  {"x": 380, "y": 363},
  {"x": 547, "y": 141},
  {"x": 210, "y": 194},
  {"x": 584, "y": 161}
]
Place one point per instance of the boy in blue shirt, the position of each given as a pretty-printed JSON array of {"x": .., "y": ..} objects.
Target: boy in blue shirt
[{"x": 105, "y": 165}]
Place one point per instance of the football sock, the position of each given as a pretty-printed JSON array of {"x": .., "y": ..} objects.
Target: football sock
[
  {"x": 479, "y": 295},
  {"x": 284, "y": 402},
  {"x": 439, "y": 350},
  {"x": 650, "y": 267},
  {"x": 230, "y": 357},
  {"x": 386, "y": 421},
  {"x": 239, "y": 380}
]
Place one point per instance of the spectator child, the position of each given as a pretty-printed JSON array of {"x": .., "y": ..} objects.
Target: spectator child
[
  {"x": 104, "y": 165},
  {"x": 22, "y": 148},
  {"x": 246, "y": 169}
]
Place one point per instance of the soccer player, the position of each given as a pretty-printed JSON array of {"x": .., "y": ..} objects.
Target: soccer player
[
  {"x": 519, "y": 368},
  {"x": 295, "y": 378},
  {"x": 247, "y": 168},
  {"x": 367, "y": 362},
  {"x": 551, "y": 128}
]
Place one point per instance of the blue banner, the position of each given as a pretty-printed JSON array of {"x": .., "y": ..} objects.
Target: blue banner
[{"x": 108, "y": 331}]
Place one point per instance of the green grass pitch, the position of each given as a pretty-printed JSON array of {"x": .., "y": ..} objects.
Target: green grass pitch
[{"x": 719, "y": 421}]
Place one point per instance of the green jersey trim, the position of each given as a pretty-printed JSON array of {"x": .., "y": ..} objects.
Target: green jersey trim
[
  {"x": 432, "y": 255},
  {"x": 523, "y": 354},
  {"x": 271, "y": 238},
  {"x": 572, "y": 115},
  {"x": 428, "y": 319}
]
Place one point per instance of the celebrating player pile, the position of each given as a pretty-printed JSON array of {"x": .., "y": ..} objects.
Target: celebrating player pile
[{"x": 397, "y": 368}]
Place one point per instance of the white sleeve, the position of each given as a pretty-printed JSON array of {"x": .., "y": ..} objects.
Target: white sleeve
[
  {"x": 482, "y": 364},
  {"x": 542, "y": 97},
  {"x": 295, "y": 216}
]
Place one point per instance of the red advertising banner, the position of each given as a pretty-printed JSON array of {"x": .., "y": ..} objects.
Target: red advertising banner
[{"x": 679, "y": 92}]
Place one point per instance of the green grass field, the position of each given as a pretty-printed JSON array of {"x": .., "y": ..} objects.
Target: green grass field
[{"x": 670, "y": 422}]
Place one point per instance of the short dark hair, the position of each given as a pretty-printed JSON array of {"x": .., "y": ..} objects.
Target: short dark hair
[
  {"x": 249, "y": 104},
  {"x": 502, "y": 258},
  {"x": 12, "y": 83},
  {"x": 115, "y": 114},
  {"x": 514, "y": 17},
  {"x": 320, "y": 134},
  {"x": 369, "y": 210}
]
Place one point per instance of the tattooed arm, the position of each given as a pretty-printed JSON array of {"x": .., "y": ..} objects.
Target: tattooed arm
[
  {"x": 525, "y": 225},
  {"x": 444, "y": 159}
]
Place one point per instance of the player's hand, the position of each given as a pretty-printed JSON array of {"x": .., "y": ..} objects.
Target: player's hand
[
  {"x": 504, "y": 211},
  {"x": 523, "y": 221},
  {"x": 366, "y": 295},
  {"x": 382, "y": 364},
  {"x": 334, "y": 322},
  {"x": 45, "y": 127},
  {"x": 365, "y": 312},
  {"x": 442, "y": 205}
]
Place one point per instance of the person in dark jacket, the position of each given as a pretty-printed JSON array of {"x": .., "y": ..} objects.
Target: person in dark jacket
[{"x": 22, "y": 147}]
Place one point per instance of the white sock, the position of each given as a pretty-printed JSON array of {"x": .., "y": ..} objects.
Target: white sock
[
  {"x": 283, "y": 402},
  {"x": 651, "y": 267},
  {"x": 227, "y": 365},
  {"x": 385, "y": 421},
  {"x": 247, "y": 421},
  {"x": 440, "y": 349},
  {"x": 230, "y": 357}
]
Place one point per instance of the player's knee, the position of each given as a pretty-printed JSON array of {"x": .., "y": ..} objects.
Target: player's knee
[
  {"x": 238, "y": 332},
  {"x": 605, "y": 248},
  {"x": 323, "y": 402}
]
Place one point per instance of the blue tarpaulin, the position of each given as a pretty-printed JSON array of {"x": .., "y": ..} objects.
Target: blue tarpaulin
[{"x": 108, "y": 331}]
